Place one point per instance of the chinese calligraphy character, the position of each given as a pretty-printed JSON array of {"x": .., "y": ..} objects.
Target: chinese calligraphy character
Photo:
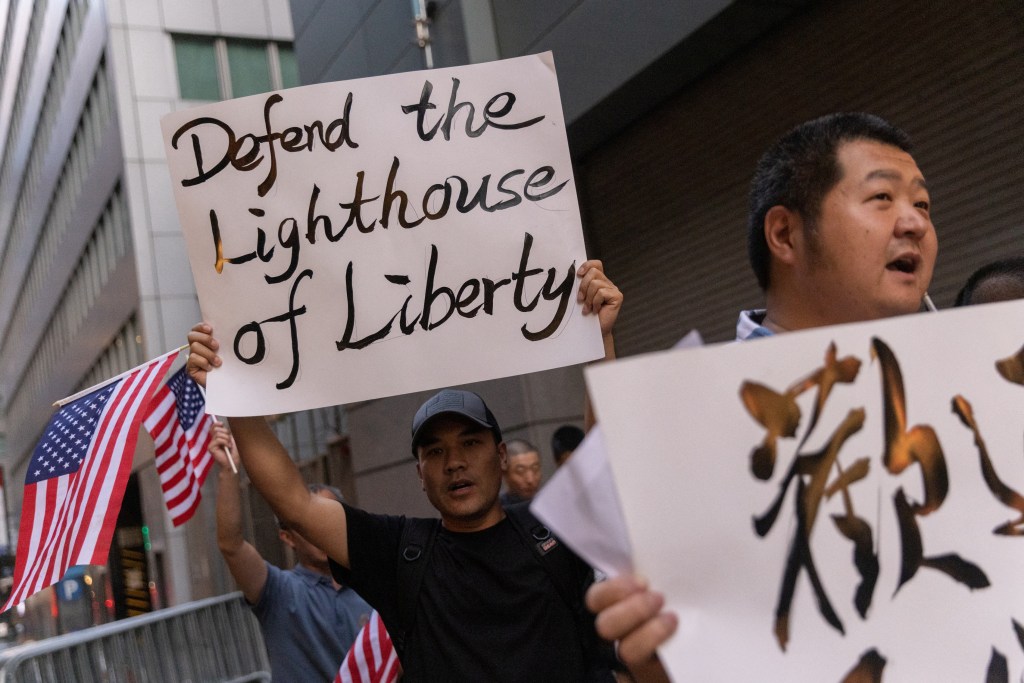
[
  {"x": 903, "y": 448},
  {"x": 868, "y": 669},
  {"x": 780, "y": 415}
]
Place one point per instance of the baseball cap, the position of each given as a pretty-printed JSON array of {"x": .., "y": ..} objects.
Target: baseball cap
[{"x": 454, "y": 401}]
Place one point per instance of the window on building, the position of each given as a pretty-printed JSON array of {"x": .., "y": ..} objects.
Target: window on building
[
  {"x": 213, "y": 68},
  {"x": 289, "y": 67},
  {"x": 197, "y": 68},
  {"x": 249, "y": 67}
]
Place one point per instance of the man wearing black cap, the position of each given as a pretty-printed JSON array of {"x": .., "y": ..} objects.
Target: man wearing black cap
[{"x": 479, "y": 596}]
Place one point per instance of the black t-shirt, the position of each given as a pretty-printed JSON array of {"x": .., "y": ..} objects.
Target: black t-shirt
[{"x": 487, "y": 610}]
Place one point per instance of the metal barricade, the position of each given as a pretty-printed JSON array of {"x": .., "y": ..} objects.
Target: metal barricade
[{"x": 216, "y": 640}]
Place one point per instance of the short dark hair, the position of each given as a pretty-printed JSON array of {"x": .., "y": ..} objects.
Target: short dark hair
[
  {"x": 800, "y": 168},
  {"x": 1011, "y": 267},
  {"x": 566, "y": 438}
]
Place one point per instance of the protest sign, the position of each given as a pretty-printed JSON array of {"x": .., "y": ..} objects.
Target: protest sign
[
  {"x": 384, "y": 235},
  {"x": 839, "y": 504}
]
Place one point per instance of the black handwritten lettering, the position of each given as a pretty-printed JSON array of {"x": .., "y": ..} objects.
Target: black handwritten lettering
[
  {"x": 244, "y": 152},
  {"x": 467, "y": 295},
  {"x": 490, "y": 287},
  {"x": 355, "y": 208},
  {"x": 514, "y": 197},
  {"x": 292, "y": 242},
  {"x": 906, "y": 447},
  {"x": 441, "y": 302},
  {"x": 256, "y": 328},
  {"x": 497, "y": 107},
  {"x": 868, "y": 669},
  {"x": 563, "y": 293},
  {"x": 1002, "y": 492},
  {"x": 407, "y": 326},
  {"x": 350, "y": 317},
  {"x": 436, "y": 202},
  {"x": 260, "y": 352},
  {"x": 542, "y": 176},
  {"x": 218, "y": 245},
  {"x": 313, "y": 219},
  {"x": 442, "y": 210},
  {"x": 390, "y": 194},
  {"x": 197, "y": 149},
  {"x": 421, "y": 112},
  {"x": 520, "y": 276},
  {"x": 431, "y": 295}
]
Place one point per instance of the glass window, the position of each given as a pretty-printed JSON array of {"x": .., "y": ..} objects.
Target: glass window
[
  {"x": 249, "y": 67},
  {"x": 289, "y": 67},
  {"x": 197, "y": 68}
]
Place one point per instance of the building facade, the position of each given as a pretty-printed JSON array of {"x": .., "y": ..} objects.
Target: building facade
[{"x": 94, "y": 278}]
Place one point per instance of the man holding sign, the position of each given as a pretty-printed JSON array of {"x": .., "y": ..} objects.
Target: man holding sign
[
  {"x": 472, "y": 600},
  {"x": 839, "y": 231}
]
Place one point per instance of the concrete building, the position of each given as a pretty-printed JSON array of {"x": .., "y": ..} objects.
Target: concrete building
[
  {"x": 93, "y": 273},
  {"x": 668, "y": 106}
]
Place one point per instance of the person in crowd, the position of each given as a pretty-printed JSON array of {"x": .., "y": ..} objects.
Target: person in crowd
[
  {"x": 997, "y": 281},
  {"x": 564, "y": 441},
  {"x": 309, "y": 621},
  {"x": 479, "y": 595},
  {"x": 522, "y": 478},
  {"x": 839, "y": 231}
]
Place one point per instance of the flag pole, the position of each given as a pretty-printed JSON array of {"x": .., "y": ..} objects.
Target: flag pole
[
  {"x": 227, "y": 448},
  {"x": 84, "y": 392}
]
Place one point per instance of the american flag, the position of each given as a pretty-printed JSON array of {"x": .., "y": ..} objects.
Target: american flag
[
  {"x": 372, "y": 658},
  {"x": 181, "y": 435},
  {"x": 76, "y": 479}
]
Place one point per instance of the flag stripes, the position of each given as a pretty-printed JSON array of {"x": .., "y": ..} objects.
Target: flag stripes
[
  {"x": 372, "y": 658},
  {"x": 76, "y": 479},
  {"x": 181, "y": 437}
]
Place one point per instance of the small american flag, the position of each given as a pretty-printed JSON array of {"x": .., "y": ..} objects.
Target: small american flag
[
  {"x": 181, "y": 436},
  {"x": 372, "y": 658},
  {"x": 76, "y": 479}
]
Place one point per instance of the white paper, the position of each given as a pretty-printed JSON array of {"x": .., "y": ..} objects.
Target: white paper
[
  {"x": 580, "y": 504},
  {"x": 680, "y": 440},
  {"x": 357, "y": 256}
]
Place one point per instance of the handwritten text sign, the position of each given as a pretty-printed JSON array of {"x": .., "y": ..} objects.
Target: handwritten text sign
[
  {"x": 385, "y": 235},
  {"x": 842, "y": 504}
]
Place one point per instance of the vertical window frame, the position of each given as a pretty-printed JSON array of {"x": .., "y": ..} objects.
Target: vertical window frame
[{"x": 222, "y": 63}]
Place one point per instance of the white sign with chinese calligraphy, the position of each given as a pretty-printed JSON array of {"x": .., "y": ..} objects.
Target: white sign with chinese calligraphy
[
  {"x": 380, "y": 236},
  {"x": 834, "y": 503}
]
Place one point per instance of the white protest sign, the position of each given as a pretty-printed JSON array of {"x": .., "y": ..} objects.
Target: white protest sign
[
  {"x": 385, "y": 235},
  {"x": 820, "y": 516}
]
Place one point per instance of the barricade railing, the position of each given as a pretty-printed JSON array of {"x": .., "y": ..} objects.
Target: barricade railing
[{"x": 216, "y": 640}]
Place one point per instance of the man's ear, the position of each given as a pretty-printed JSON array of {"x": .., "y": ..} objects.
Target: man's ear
[
  {"x": 784, "y": 233},
  {"x": 419, "y": 474},
  {"x": 503, "y": 457},
  {"x": 286, "y": 537}
]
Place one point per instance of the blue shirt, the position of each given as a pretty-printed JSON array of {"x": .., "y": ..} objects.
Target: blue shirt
[
  {"x": 308, "y": 626},
  {"x": 749, "y": 325}
]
